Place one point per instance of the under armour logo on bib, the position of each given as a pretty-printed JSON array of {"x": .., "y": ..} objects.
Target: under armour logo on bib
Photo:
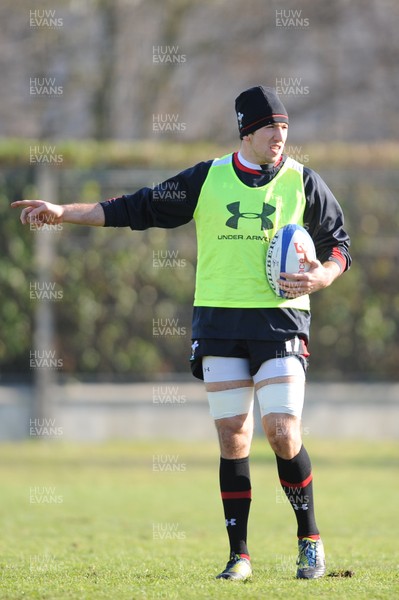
[{"x": 234, "y": 209}]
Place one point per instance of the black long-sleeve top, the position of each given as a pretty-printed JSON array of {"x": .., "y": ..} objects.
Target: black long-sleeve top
[{"x": 173, "y": 202}]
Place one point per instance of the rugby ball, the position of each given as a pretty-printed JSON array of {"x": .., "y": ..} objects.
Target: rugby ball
[{"x": 286, "y": 254}]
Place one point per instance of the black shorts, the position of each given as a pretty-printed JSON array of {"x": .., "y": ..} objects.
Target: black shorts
[{"x": 257, "y": 351}]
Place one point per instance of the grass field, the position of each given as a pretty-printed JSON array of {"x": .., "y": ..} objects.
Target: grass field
[{"x": 144, "y": 520}]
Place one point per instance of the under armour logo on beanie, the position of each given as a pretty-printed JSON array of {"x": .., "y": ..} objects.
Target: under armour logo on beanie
[{"x": 259, "y": 106}]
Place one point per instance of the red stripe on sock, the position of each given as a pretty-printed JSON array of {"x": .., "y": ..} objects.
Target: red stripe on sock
[
  {"x": 236, "y": 495},
  {"x": 315, "y": 536},
  {"x": 302, "y": 484}
]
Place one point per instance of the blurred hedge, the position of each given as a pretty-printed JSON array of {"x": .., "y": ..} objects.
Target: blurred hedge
[
  {"x": 90, "y": 154},
  {"x": 115, "y": 295}
]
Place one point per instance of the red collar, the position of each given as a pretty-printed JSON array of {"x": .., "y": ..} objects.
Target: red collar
[{"x": 242, "y": 167}]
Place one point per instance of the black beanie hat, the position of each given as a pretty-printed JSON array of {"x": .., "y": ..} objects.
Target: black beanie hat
[{"x": 259, "y": 106}]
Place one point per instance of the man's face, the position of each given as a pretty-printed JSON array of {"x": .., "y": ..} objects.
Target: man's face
[{"x": 266, "y": 144}]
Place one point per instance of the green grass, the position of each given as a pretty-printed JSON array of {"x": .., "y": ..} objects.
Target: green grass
[{"x": 95, "y": 529}]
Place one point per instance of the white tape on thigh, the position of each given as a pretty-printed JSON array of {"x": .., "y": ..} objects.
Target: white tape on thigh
[
  {"x": 230, "y": 403},
  {"x": 286, "y": 397},
  {"x": 221, "y": 368},
  {"x": 280, "y": 367},
  {"x": 282, "y": 398}
]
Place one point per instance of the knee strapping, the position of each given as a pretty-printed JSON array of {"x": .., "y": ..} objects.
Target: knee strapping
[
  {"x": 282, "y": 398},
  {"x": 287, "y": 396},
  {"x": 230, "y": 403}
]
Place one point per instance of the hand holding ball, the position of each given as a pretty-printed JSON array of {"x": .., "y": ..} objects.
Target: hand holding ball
[{"x": 286, "y": 254}]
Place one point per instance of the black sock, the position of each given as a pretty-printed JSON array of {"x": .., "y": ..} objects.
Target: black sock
[
  {"x": 235, "y": 487},
  {"x": 296, "y": 479}
]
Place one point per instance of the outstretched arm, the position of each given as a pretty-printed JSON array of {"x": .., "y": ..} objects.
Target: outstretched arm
[
  {"x": 169, "y": 204},
  {"x": 40, "y": 212}
]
